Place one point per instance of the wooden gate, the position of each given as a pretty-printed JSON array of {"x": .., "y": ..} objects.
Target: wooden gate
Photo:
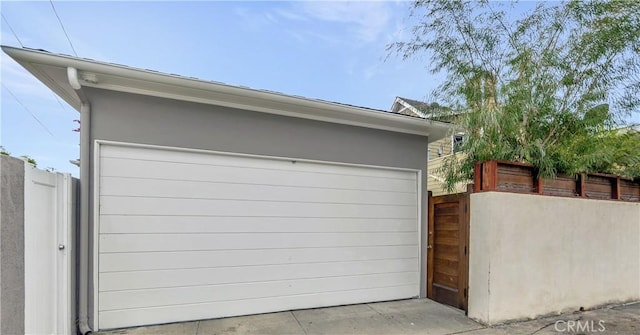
[{"x": 447, "y": 249}]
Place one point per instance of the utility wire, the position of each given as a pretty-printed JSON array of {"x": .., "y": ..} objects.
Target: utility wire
[
  {"x": 64, "y": 30},
  {"x": 12, "y": 31},
  {"x": 29, "y": 111},
  {"x": 59, "y": 102}
]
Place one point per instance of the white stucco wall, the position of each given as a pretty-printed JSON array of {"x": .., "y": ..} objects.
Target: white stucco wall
[{"x": 534, "y": 255}]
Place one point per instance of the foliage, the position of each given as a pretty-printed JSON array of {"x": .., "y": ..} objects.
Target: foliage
[
  {"x": 617, "y": 152},
  {"x": 30, "y": 160},
  {"x": 546, "y": 88}
]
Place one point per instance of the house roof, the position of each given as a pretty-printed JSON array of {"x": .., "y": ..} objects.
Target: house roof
[
  {"x": 413, "y": 108},
  {"x": 66, "y": 75},
  {"x": 421, "y": 105}
]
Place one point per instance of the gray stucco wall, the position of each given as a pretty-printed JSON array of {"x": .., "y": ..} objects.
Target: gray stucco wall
[
  {"x": 11, "y": 245},
  {"x": 142, "y": 119},
  {"x": 133, "y": 118}
]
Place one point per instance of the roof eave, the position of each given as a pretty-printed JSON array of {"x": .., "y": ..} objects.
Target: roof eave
[{"x": 125, "y": 79}]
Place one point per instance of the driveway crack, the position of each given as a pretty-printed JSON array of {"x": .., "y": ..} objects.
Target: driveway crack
[
  {"x": 469, "y": 330},
  {"x": 543, "y": 327},
  {"x": 298, "y": 321}
]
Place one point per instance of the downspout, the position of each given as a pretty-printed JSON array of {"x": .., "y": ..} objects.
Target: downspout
[{"x": 83, "y": 278}]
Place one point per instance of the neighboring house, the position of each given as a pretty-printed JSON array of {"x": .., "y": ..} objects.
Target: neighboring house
[
  {"x": 412, "y": 107},
  {"x": 438, "y": 150},
  {"x": 203, "y": 200}
]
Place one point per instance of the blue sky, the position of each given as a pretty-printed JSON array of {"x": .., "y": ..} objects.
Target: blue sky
[
  {"x": 317, "y": 49},
  {"x": 326, "y": 50}
]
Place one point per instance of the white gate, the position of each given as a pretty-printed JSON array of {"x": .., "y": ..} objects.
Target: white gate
[{"x": 48, "y": 256}]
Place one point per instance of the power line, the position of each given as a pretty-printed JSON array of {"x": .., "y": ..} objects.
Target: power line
[
  {"x": 29, "y": 111},
  {"x": 59, "y": 102},
  {"x": 12, "y": 31},
  {"x": 64, "y": 30}
]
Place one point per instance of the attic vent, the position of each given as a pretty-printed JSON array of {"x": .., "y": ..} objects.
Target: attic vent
[{"x": 90, "y": 78}]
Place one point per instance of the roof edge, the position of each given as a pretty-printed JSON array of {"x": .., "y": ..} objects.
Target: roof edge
[{"x": 146, "y": 82}]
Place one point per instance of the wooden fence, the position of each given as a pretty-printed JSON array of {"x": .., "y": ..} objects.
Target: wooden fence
[{"x": 522, "y": 178}]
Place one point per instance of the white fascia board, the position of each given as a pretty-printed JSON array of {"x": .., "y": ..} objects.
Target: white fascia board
[{"x": 138, "y": 81}]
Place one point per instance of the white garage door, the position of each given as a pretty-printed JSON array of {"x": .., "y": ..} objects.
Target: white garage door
[{"x": 187, "y": 235}]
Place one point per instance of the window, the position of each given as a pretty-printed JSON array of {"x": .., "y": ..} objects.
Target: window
[{"x": 458, "y": 140}]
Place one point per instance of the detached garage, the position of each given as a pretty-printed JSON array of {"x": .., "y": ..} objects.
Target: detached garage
[{"x": 204, "y": 200}]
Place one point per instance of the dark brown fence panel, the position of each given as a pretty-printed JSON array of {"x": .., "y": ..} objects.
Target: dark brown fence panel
[
  {"x": 562, "y": 185},
  {"x": 629, "y": 190},
  {"x": 516, "y": 178},
  {"x": 521, "y": 178},
  {"x": 601, "y": 187}
]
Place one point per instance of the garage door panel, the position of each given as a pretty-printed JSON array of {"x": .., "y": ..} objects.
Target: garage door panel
[
  {"x": 226, "y": 275},
  {"x": 225, "y": 258},
  {"x": 165, "y": 314},
  {"x": 112, "y": 167},
  {"x": 195, "y": 235},
  {"x": 200, "y": 207},
  {"x": 158, "y": 155},
  {"x": 212, "y": 293},
  {"x": 247, "y": 241},
  {"x": 162, "y": 188},
  {"x": 205, "y": 224}
]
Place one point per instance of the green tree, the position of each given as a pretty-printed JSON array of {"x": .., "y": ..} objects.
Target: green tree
[{"x": 546, "y": 87}]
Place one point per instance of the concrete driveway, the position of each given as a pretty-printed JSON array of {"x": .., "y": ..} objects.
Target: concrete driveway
[
  {"x": 418, "y": 316},
  {"x": 396, "y": 317}
]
